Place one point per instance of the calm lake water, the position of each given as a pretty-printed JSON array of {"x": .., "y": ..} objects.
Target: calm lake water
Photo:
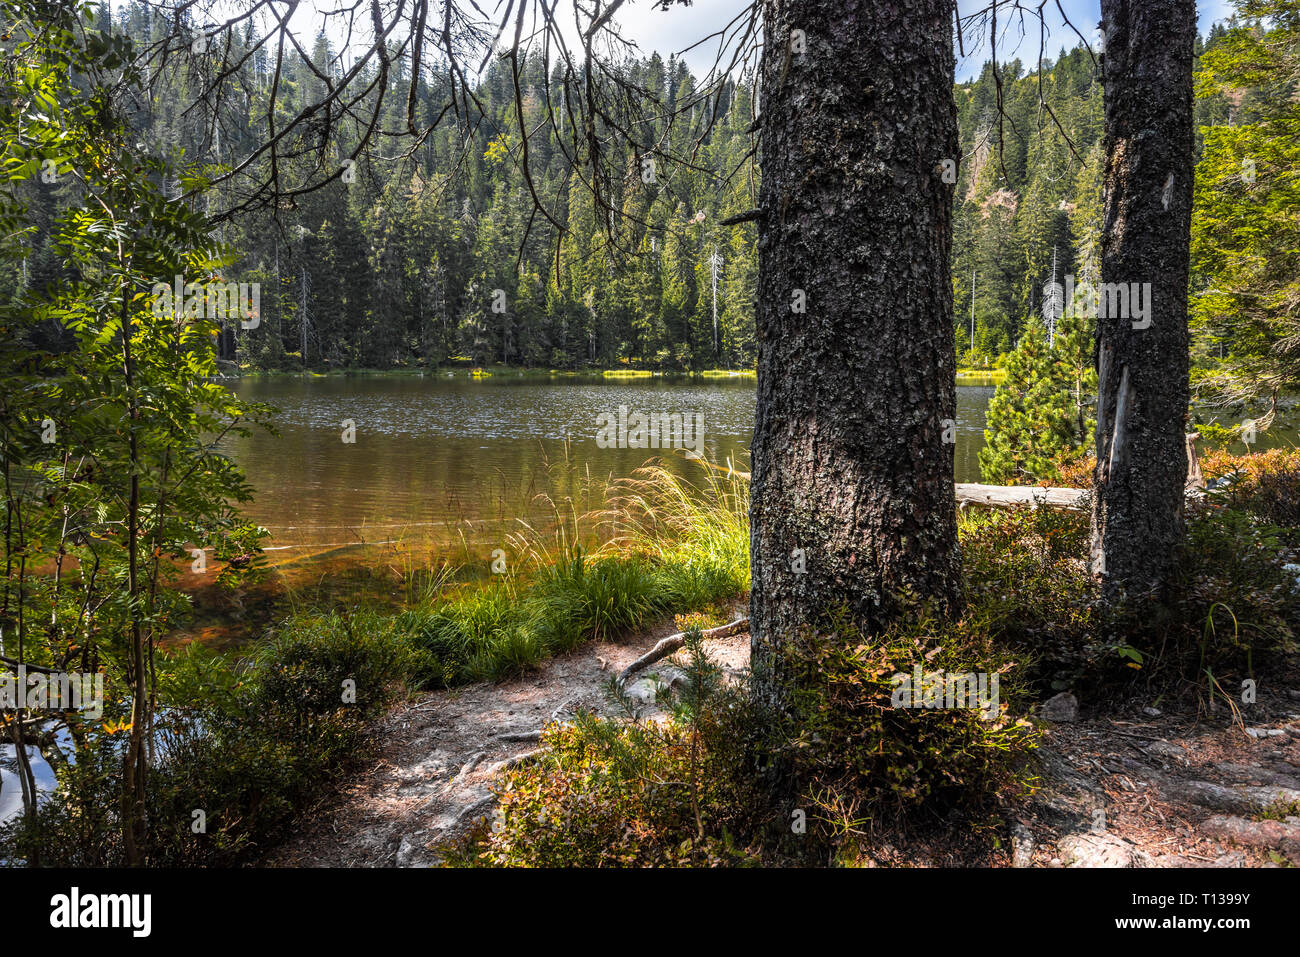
[{"x": 442, "y": 460}]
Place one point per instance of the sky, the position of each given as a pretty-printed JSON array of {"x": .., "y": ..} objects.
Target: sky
[
  {"x": 677, "y": 28},
  {"x": 673, "y": 30}
]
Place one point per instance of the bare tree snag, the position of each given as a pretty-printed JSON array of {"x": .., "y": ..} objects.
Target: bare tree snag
[
  {"x": 1195, "y": 478},
  {"x": 1142, "y": 361}
]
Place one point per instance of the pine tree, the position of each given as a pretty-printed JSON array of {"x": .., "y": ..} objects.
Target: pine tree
[
  {"x": 1246, "y": 232},
  {"x": 1031, "y": 416}
]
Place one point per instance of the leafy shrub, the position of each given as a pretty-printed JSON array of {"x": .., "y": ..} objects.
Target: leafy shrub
[
  {"x": 1265, "y": 484},
  {"x": 1027, "y": 586},
  {"x": 305, "y": 669},
  {"x": 609, "y": 794},
  {"x": 1231, "y": 600},
  {"x": 858, "y": 756},
  {"x": 247, "y": 753},
  {"x": 633, "y": 793}
]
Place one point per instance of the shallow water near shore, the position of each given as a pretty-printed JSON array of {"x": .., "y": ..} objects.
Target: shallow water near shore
[{"x": 438, "y": 460}]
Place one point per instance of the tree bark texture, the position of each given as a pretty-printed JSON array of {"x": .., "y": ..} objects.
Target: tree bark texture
[
  {"x": 852, "y": 492},
  {"x": 1142, "y": 356}
]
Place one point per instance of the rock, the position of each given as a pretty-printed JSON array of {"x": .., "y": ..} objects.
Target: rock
[
  {"x": 1233, "y": 800},
  {"x": 1066, "y": 794},
  {"x": 1060, "y": 709},
  {"x": 1098, "y": 849},
  {"x": 408, "y": 849},
  {"x": 1263, "y": 797},
  {"x": 1167, "y": 750},
  {"x": 1022, "y": 846},
  {"x": 1152, "y": 712},
  {"x": 1205, "y": 794},
  {"x": 641, "y": 691},
  {"x": 1248, "y": 774},
  {"x": 1266, "y": 732},
  {"x": 1272, "y": 835}
]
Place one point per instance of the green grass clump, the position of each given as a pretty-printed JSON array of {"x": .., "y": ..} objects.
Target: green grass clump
[
  {"x": 673, "y": 547},
  {"x": 481, "y": 635},
  {"x": 502, "y": 630},
  {"x": 578, "y": 597}
]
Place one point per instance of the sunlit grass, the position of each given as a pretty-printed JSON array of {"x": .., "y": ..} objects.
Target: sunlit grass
[{"x": 981, "y": 376}]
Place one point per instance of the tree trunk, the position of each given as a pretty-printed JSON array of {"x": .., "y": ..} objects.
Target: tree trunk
[
  {"x": 134, "y": 767},
  {"x": 852, "y": 494},
  {"x": 1142, "y": 358}
]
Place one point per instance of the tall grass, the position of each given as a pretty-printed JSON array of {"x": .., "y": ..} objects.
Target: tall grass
[
  {"x": 669, "y": 546},
  {"x": 701, "y": 526}
]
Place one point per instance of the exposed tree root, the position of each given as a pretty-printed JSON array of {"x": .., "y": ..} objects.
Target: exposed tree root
[{"x": 674, "y": 642}]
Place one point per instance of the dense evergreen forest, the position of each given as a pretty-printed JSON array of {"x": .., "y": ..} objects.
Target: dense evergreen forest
[{"x": 420, "y": 255}]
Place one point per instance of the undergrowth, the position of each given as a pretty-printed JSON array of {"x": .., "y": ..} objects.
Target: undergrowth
[
  {"x": 250, "y": 744},
  {"x": 686, "y": 790}
]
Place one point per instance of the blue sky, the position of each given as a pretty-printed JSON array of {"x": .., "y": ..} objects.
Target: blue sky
[{"x": 673, "y": 30}]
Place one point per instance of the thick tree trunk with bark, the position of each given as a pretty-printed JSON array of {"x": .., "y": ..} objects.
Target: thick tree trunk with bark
[
  {"x": 1142, "y": 357},
  {"x": 852, "y": 492}
]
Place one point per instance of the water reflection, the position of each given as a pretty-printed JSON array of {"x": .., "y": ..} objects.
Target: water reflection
[{"x": 436, "y": 456}]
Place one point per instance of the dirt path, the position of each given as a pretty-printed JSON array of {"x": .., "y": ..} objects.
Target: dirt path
[
  {"x": 442, "y": 751},
  {"x": 1141, "y": 790}
]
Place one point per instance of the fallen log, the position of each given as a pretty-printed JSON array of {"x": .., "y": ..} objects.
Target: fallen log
[
  {"x": 989, "y": 496},
  {"x": 1019, "y": 496}
]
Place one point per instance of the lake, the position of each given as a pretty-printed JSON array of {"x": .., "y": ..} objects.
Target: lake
[{"x": 443, "y": 462}]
